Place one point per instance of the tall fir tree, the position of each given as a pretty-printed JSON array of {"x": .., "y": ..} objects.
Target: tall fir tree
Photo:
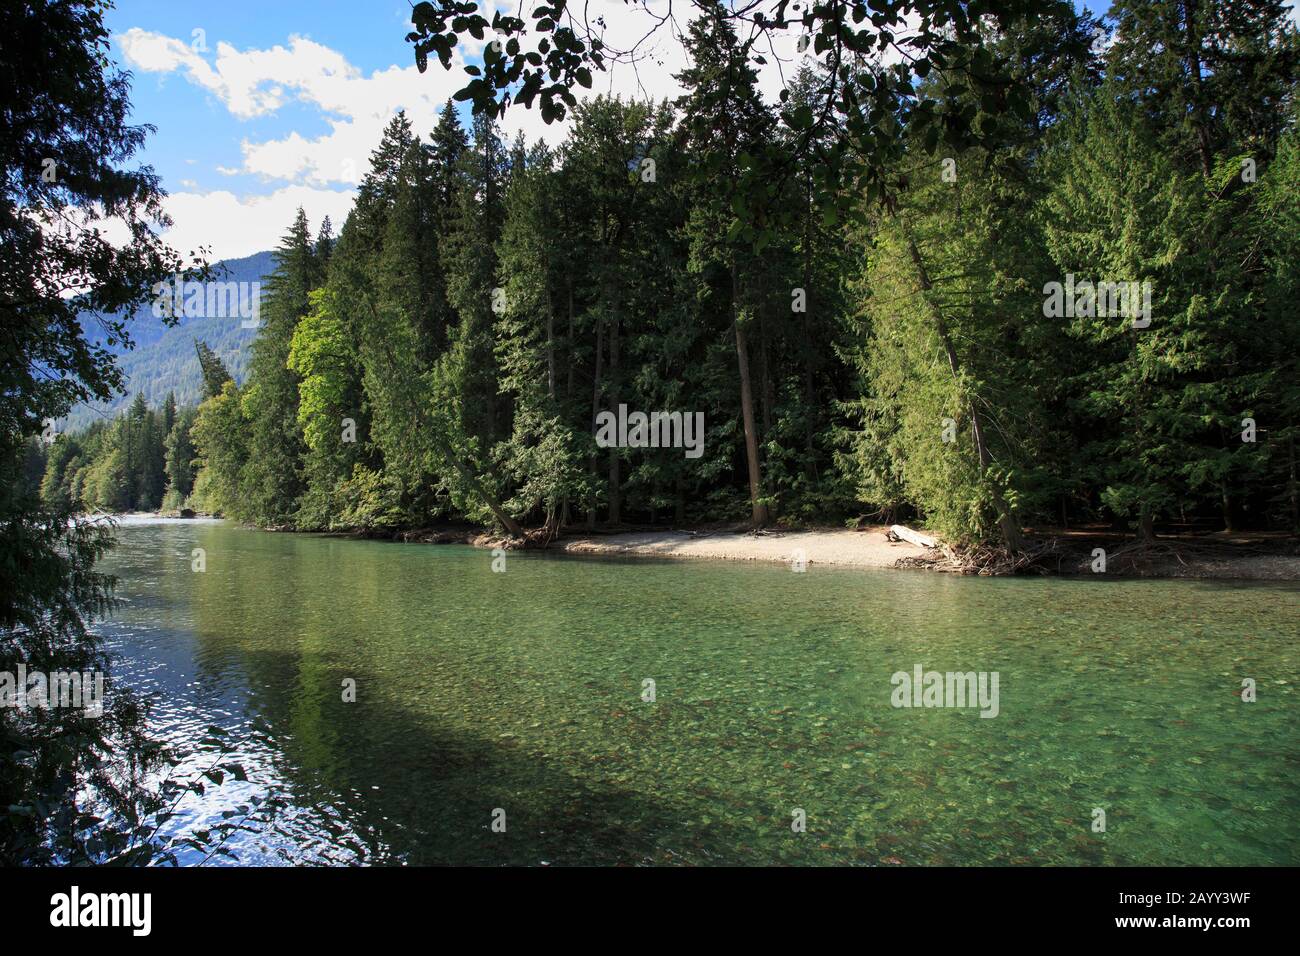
[{"x": 272, "y": 481}]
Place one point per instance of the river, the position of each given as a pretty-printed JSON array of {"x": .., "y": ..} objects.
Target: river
[{"x": 505, "y": 717}]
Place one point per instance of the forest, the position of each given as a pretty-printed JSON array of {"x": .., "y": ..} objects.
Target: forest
[
  {"x": 142, "y": 460},
  {"x": 1035, "y": 271},
  {"x": 902, "y": 354}
]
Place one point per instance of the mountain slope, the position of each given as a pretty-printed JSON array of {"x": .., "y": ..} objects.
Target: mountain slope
[{"x": 163, "y": 359}]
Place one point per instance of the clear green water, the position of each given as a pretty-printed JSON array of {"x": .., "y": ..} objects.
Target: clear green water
[{"x": 522, "y": 691}]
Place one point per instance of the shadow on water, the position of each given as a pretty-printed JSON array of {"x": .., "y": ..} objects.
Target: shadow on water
[{"x": 429, "y": 792}]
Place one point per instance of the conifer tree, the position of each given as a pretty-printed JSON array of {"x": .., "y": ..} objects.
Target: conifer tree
[
  {"x": 272, "y": 480},
  {"x": 726, "y": 123},
  {"x": 213, "y": 369}
]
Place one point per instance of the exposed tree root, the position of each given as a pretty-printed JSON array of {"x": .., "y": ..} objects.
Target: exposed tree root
[
  {"x": 1152, "y": 557},
  {"x": 1132, "y": 558}
]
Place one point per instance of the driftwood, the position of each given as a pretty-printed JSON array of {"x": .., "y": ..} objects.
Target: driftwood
[
  {"x": 986, "y": 559},
  {"x": 900, "y": 532}
]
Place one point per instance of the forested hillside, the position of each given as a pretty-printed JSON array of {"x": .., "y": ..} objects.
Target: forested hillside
[
  {"x": 142, "y": 460},
  {"x": 1085, "y": 315},
  {"x": 162, "y": 361}
]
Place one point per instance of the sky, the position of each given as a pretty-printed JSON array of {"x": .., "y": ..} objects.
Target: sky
[{"x": 262, "y": 107}]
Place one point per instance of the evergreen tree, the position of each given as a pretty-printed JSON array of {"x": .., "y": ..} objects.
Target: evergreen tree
[
  {"x": 271, "y": 481},
  {"x": 180, "y": 455},
  {"x": 324, "y": 247},
  {"x": 483, "y": 304},
  {"x": 1210, "y": 76},
  {"x": 215, "y": 375},
  {"x": 1275, "y": 394},
  {"x": 468, "y": 257},
  {"x": 726, "y": 123},
  {"x": 544, "y": 455},
  {"x": 221, "y": 442}
]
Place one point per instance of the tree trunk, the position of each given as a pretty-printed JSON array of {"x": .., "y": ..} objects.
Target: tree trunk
[
  {"x": 913, "y": 537},
  {"x": 595, "y": 410},
  {"x": 615, "y": 512},
  {"x": 769, "y": 399},
  {"x": 550, "y": 347},
  {"x": 565, "y": 517},
  {"x": 1192, "y": 57},
  {"x": 1146, "y": 525},
  {"x": 810, "y": 458},
  {"x": 1293, "y": 488},
  {"x": 759, "y": 514},
  {"x": 568, "y": 385}
]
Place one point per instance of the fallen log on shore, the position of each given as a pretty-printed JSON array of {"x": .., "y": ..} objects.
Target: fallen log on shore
[{"x": 904, "y": 533}]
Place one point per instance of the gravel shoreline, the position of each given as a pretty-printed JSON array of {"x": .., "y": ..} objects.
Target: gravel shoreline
[{"x": 1203, "y": 558}]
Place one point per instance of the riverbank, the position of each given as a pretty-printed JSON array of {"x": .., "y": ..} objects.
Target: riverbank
[
  {"x": 868, "y": 548},
  {"x": 1263, "y": 556},
  {"x": 1247, "y": 557}
]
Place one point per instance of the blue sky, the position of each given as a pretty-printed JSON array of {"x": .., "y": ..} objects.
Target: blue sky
[{"x": 264, "y": 106}]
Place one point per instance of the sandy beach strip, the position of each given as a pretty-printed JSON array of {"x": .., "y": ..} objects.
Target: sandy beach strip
[{"x": 865, "y": 549}]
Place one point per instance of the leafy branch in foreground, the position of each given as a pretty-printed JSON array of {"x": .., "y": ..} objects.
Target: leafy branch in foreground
[{"x": 924, "y": 65}]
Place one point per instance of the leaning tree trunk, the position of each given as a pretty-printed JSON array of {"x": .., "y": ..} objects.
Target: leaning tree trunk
[
  {"x": 1006, "y": 523},
  {"x": 449, "y": 455},
  {"x": 1010, "y": 528}
]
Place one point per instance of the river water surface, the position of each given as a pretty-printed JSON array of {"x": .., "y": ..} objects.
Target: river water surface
[{"x": 518, "y": 696}]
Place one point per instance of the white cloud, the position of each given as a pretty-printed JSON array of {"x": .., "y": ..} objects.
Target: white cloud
[
  {"x": 230, "y": 226},
  {"x": 233, "y": 226},
  {"x": 253, "y": 83},
  {"x": 233, "y": 79},
  {"x": 356, "y": 106}
]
